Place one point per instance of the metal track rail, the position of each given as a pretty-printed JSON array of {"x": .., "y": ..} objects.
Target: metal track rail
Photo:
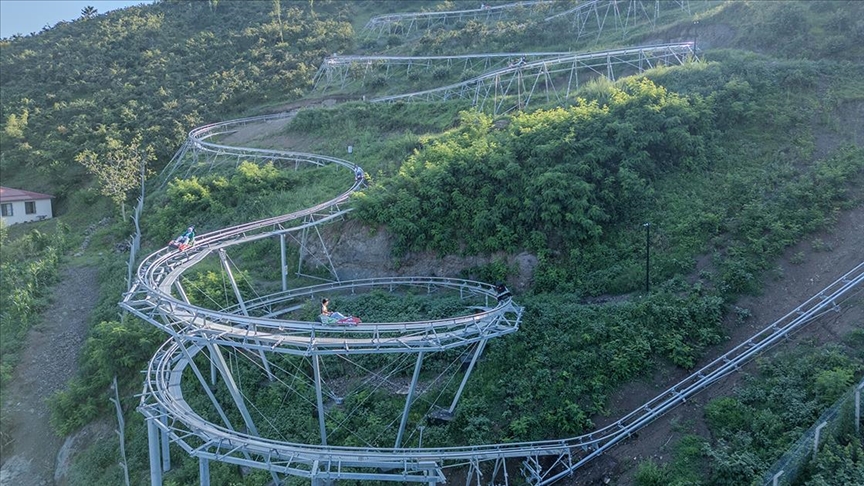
[{"x": 185, "y": 321}]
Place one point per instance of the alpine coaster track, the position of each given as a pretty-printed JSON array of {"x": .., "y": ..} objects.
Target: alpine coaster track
[{"x": 258, "y": 326}]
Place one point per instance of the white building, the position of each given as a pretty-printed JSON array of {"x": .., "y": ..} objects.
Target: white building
[{"x": 18, "y": 206}]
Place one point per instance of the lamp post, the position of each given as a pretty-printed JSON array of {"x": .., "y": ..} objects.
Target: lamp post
[
  {"x": 647, "y": 257},
  {"x": 695, "y": 34}
]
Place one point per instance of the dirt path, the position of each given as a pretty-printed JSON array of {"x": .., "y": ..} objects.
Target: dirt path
[{"x": 49, "y": 360}]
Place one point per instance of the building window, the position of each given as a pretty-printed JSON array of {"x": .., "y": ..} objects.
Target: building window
[
  {"x": 6, "y": 209},
  {"x": 30, "y": 207}
]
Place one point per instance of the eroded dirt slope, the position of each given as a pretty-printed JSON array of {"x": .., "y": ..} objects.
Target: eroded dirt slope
[{"x": 48, "y": 361}]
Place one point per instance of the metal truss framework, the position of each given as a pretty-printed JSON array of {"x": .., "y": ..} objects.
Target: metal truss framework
[
  {"x": 158, "y": 296},
  {"x": 584, "y": 18},
  {"x": 620, "y": 15},
  {"x": 551, "y": 79},
  {"x": 511, "y": 80},
  {"x": 403, "y": 24},
  {"x": 197, "y": 154}
]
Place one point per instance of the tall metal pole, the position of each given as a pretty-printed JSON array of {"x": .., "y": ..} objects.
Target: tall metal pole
[
  {"x": 858, "y": 407},
  {"x": 224, "y": 257},
  {"x": 203, "y": 382},
  {"x": 408, "y": 399},
  {"x": 816, "y": 438},
  {"x": 304, "y": 235},
  {"x": 647, "y": 257},
  {"x": 695, "y": 34},
  {"x": 477, "y": 353},
  {"x": 163, "y": 433},
  {"x": 204, "y": 471},
  {"x": 320, "y": 399},
  {"x": 228, "y": 378},
  {"x": 121, "y": 427},
  {"x": 284, "y": 264},
  {"x": 155, "y": 462}
]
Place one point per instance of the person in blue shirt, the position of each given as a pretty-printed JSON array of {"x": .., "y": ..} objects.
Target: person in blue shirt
[{"x": 186, "y": 240}]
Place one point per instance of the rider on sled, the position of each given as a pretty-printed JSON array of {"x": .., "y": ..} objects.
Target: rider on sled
[
  {"x": 330, "y": 317},
  {"x": 184, "y": 241}
]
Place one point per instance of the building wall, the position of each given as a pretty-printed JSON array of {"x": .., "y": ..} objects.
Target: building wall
[{"x": 43, "y": 211}]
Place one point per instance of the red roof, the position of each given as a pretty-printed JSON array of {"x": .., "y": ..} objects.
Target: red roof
[{"x": 7, "y": 194}]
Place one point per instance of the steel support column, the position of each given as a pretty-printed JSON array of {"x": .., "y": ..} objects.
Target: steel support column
[
  {"x": 409, "y": 399},
  {"x": 203, "y": 382},
  {"x": 232, "y": 387},
  {"x": 185, "y": 298},
  {"x": 163, "y": 433},
  {"x": 319, "y": 398},
  {"x": 224, "y": 257},
  {"x": 858, "y": 407},
  {"x": 284, "y": 265},
  {"x": 477, "y": 353},
  {"x": 501, "y": 465},
  {"x": 204, "y": 471},
  {"x": 212, "y": 371},
  {"x": 304, "y": 237},
  {"x": 153, "y": 443},
  {"x": 332, "y": 267},
  {"x": 181, "y": 291}
]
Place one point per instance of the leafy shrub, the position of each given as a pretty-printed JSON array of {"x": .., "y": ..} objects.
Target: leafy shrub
[
  {"x": 28, "y": 267},
  {"x": 541, "y": 174},
  {"x": 651, "y": 474},
  {"x": 440, "y": 73},
  {"x": 768, "y": 412}
]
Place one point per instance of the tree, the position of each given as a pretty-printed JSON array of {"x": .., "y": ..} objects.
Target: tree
[
  {"x": 118, "y": 167},
  {"x": 88, "y": 12},
  {"x": 277, "y": 15}
]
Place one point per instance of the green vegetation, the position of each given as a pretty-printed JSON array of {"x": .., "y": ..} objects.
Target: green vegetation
[
  {"x": 732, "y": 160},
  {"x": 767, "y": 415},
  {"x": 798, "y": 30},
  {"x": 551, "y": 179},
  {"x": 144, "y": 76},
  {"x": 840, "y": 461},
  {"x": 572, "y": 356},
  {"x": 552, "y": 182},
  {"x": 751, "y": 429},
  {"x": 211, "y": 201},
  {"x": 28, "y": 267}
]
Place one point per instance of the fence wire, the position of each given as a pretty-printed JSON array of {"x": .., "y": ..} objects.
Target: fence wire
[{"x": 792, "y": 463}]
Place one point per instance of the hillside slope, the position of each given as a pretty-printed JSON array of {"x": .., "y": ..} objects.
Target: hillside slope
[{"x": 772, "y": 153}]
